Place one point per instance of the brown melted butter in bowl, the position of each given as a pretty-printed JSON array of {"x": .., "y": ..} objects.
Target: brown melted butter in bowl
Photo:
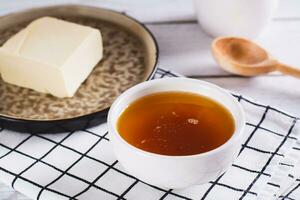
[{"x": 176, "y": 123}]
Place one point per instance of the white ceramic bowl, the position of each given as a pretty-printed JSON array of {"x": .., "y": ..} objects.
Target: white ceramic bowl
[
  {"x": 176, "y": 171},
  {"x": 243, "y": 18}
]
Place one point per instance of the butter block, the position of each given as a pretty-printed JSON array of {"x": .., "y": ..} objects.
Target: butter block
[{"x": 51, "y": 56}]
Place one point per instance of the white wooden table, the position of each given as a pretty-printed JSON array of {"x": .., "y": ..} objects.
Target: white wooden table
[{"x": 185, "y": 48}]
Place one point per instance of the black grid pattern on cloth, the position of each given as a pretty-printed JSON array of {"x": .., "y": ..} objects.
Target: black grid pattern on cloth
[
  {"x": 160, "y": 73},
  {"x": 291, "y": 192},
  {"x": 294, "y": 190}
]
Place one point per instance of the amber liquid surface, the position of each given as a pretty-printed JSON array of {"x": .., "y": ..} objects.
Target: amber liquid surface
[{"x": 176, "y": 123}]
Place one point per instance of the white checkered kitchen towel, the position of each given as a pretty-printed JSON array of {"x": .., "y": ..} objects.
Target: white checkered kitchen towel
[{"x": 81, "y": 165}]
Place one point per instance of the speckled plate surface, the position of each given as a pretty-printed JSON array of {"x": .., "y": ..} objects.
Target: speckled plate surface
[{"x": 130, "y": 57}]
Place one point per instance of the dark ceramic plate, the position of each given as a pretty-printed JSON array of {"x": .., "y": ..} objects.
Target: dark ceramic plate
[{"x": 130, "y": 57}]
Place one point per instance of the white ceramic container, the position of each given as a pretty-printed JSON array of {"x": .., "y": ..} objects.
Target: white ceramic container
[
  {"x": 245, "y": 18},
  {"x": 176, "y": 171}
]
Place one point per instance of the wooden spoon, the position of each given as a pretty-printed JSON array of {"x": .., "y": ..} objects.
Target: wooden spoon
[{"x": 244, "y": 57}]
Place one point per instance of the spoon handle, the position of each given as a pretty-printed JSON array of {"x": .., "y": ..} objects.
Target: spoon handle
[{"x": 288, "y": 70}]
